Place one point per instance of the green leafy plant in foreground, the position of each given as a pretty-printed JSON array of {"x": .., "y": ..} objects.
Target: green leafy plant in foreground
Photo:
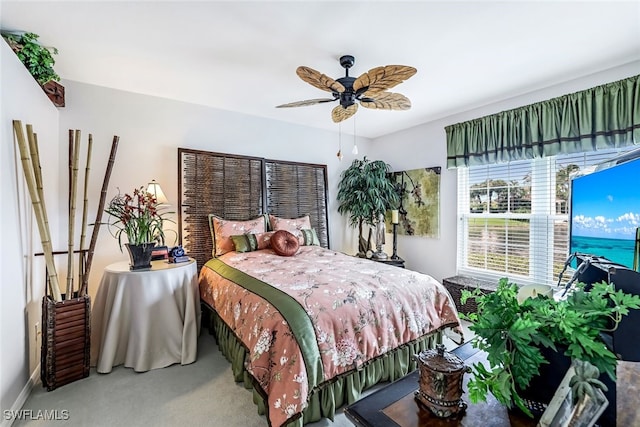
[{"x": 513, "y": 335}]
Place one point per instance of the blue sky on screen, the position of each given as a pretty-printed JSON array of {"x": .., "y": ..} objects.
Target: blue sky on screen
[{"x": 606, "y": 203}]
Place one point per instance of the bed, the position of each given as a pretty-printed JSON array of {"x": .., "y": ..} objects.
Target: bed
[{"x": 308, "y": 332}]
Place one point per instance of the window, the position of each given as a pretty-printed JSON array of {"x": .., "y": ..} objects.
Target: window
[{"x": 513, "y": 217}]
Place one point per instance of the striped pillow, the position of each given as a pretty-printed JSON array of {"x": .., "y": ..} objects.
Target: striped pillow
[
  {"x": 308, "y": 237},
  {"x": 252, "y": 242}
]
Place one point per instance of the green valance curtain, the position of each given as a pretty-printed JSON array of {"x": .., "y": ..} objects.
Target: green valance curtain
[{"x": 605, "y": 116}]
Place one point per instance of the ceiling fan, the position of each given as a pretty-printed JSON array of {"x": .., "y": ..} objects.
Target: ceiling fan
[{"x": 370, "y": 89}]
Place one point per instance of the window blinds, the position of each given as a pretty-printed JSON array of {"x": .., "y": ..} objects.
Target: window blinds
[{"x": 513, "y": 217}]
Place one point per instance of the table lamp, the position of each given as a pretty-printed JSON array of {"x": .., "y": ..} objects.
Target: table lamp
[{"x": 155, "y": 189}]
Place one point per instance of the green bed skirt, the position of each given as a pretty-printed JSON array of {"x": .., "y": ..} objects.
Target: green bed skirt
[{"x": 331, "y": 395}]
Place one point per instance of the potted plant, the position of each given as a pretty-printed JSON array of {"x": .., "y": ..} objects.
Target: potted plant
[
  {"x": 519, "y": 338},
  {"x": 364, "y": 192},
  {"x": 39, "y": 61},
  {"x": 139, "y": 218}
]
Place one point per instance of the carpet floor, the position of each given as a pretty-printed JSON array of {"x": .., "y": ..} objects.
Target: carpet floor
[{"x": 202, "y": 393}]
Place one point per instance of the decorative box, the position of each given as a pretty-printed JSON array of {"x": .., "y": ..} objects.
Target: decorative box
[{"x": 441, "y": 377}]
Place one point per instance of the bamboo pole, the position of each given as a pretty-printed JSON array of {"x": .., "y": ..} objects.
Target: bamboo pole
[
  {"x": 72, "y": 212},
  {"x": 70, "y": 166},
  {"x": 69, "y": 184},
  {"x": 85, "y": 206},
  {"x": 96, "y": 225},
  {"x": 38, "y": 206},
  {"x": 34, "y": 154},
  {"x": 37, "y": 170}
]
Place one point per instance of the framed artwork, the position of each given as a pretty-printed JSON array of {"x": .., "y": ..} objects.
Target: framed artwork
[
  {"x": 564, "y": 412},
  {"x": 419, "y": 210}
]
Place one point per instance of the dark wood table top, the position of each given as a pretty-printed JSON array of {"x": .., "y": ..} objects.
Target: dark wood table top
[{"x": 395, "y": 406}]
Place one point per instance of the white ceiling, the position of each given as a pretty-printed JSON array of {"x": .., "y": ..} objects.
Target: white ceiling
[{"x": 242, "y": 56}]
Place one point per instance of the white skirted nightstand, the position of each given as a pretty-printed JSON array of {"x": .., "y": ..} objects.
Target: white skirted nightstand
[{"x": 146, "y": 319}]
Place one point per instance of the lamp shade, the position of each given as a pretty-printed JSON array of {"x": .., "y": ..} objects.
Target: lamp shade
[{"x": 155, "y": 189}]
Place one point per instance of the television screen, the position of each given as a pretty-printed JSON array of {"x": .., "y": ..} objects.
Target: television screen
[{"x": 605, "y": 212}]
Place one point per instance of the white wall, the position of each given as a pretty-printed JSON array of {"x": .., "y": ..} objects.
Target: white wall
[
  {"x": 151, "y": 129},
  {"x": 425, "y": 146},
  {"x": 22, "y": 277}
]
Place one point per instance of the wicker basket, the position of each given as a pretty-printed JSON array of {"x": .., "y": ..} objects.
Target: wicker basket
[
  {"x": 455, "y": 285},
  {"x": 66, "y": 334}
]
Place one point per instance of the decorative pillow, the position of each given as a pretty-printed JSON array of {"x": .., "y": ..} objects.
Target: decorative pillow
[
  {"x": 284, "y": 243},
  {"x": 252, "y": 242},
  {"x": 222, "y": 230},
  {"x": 308, "y": 237},
  {"x": 292, "y": 225}
]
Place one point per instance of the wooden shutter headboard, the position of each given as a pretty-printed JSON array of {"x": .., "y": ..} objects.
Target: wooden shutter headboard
[
  {"x": 297, "y": 189},
  {"x": 242, "y": 187}
]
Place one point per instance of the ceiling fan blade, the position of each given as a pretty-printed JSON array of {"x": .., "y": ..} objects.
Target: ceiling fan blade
[
  {"x": 319, "y": 80},
  {"x": 382, "y": 78},
  {"x": 341, "y": 113},
  {"x": 307, "y": 102},
  {"x": 386, "y": 101}
]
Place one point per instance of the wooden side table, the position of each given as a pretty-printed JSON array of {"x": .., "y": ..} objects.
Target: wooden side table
[{"x": 146, "y": 319}]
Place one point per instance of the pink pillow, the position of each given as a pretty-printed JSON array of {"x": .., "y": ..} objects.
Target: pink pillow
[
  {"x": 284, "y": 243},
  {"x": 222, "y": 230},
  {"x": 292, "y": 225}
]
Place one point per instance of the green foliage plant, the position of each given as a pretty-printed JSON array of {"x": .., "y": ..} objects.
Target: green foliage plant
[
  {"x": 37, "y": 58},
  {"x": 513, "y": 335},
  {"x": 365, "y": 191}
]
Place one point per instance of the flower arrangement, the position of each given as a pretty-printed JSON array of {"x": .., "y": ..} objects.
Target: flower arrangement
[{"x": 137, "y": 216}]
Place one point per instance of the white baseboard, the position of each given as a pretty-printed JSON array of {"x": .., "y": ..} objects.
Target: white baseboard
[{"x": 22, "y": 397}]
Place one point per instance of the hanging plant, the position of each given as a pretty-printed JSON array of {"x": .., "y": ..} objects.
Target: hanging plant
[{"x": 37, "y": 58}]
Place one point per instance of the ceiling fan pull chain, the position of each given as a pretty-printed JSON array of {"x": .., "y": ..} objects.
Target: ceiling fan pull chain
[
  {"x": 355, "y": 146},
  {"x": 339, "y": 154}
]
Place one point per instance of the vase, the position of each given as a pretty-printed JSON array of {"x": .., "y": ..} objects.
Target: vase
[{"x": 140, "y": 255}]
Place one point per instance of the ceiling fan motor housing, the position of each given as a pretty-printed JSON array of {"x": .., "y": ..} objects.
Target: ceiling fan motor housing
[{"x": 348, "y": 97}]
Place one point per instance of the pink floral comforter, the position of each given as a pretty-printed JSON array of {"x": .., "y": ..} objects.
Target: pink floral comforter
[{"x": 358, "y": 309}]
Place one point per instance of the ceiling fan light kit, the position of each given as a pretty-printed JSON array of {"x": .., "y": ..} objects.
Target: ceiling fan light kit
[{"x": 370, "y": 89}]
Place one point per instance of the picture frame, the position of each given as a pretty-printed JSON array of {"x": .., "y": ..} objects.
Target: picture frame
[
  {"x": 419, "y": 210},
  {"x": 562, "y": 412}
]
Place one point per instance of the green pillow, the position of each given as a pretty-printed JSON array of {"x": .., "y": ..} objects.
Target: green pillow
[
  {"x": 308, "y": 237},
  {"x": 251, "y": 242}
]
